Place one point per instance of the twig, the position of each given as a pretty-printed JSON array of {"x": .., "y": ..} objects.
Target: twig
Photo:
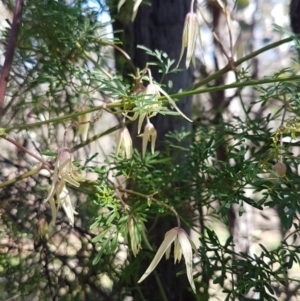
[
  {"x": 281, "y": 126},
  {"x": 21, "y": 147},
  {"x": 61, "y": 118},
  {"x": 10, "y": 49}
]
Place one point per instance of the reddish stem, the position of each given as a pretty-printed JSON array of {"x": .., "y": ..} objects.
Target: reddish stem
[
  {"x": 22, "y": 148},
  {"x": 10, "y": 49}
]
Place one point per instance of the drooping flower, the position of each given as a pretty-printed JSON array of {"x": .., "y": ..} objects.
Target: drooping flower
[
  {"x": 150, "y": 134},
  {"x": 191, "y": 31},
  {"x": 63, "y": 172},
  {"x": 66, "y": 169},
  {"x": 183, "y": 245},
  {"x": 152, "y": 92},
  {"x": 64, "y": 201},
  {"x": 136, "y": 232},
  {"x": 124, "y": 143},
  {"x": 149, "y": 104}
]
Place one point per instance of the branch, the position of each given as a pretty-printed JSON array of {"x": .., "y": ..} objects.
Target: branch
[
  {"x": 21, "y": 147},
  {"x": 10, "y": 49},
  {"x": 59, "y": 119},
  {"x": 28, "y": 174},
  {"x": 240, "y": 61},
  {"x": 234, "y": 85}
]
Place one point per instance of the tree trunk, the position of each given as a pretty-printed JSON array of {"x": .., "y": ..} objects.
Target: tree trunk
[{"x": 160, "y": 27}]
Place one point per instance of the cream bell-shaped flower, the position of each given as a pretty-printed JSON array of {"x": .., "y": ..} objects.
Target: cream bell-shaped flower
[
  {"x": 124, "y": 143},
  {"x": 191, "y": 31},
  {"x": 183, "y": 245},
  {"x": 149, "y": 105},
  {"x": 151, "y": 95},
  {"x": 156, "y": 90},
  {"x": 150, "y": 134},
  {"x": 133, "y": 224},
  {"x": 135, "y": 8},
  {"x": 65, "y": 168},
  {"x": 63, "y": 172}
]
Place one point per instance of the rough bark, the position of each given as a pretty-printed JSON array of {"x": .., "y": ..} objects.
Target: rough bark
[
  {"x": 160, "y": 27},
  {"x": 295, "y": 16}
]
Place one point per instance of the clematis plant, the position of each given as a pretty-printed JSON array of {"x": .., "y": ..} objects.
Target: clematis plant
[
  {"x": 64, "y": 172},
  {"x": 183, "y": 245}
]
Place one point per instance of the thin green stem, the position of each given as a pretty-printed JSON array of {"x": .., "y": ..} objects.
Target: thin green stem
[
  {"x": 234, "y": 85},
  {"x": 193, "y": 90},
  {"x": 160, "y": 286},
  {"x": 239, "y": 62},
  {"x": 21, "y": 177},
  {"x": 240, "y": 97},
  {"x": 281, "y": 126},
  {"x": 62, "y": 118}
]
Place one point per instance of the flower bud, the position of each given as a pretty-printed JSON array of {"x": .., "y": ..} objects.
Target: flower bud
[{"x": 280, "y": 169}]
